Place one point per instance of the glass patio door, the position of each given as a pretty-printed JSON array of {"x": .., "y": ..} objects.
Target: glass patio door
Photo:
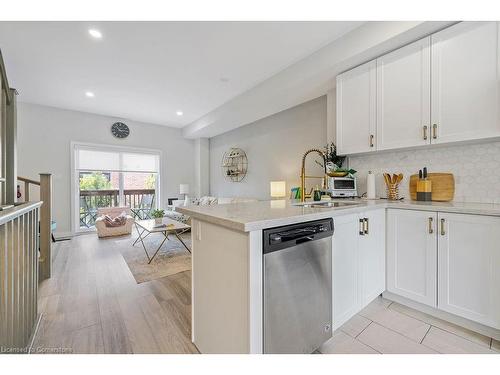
[{"x": 115, "y": 178}]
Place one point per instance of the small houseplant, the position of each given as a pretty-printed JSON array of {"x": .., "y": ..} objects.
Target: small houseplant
[
  {"x": 332, "y": 157},
  {"x": 158, "y": 215},
  {"x": 334, "y": 162}
]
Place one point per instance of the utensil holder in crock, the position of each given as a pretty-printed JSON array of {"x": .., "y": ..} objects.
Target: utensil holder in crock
[{"x": 393, "y": 192}]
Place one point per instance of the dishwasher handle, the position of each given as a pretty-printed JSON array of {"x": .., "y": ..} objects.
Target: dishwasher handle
[
  {"x": 292, "y": 235},
  {"x": 304, "y": 239}
]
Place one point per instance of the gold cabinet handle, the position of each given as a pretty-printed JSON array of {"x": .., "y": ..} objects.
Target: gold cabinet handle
[
  {"x": 425, "y": 132},
  {"x": 365, "y": 225},
  {"x": 431, "y": 227},
  {"x": 434, "y": 131},
  {"x": 371, "y": 140},
  {"x": 442, "y": 228},
  {"x": 361, "y": 227}
]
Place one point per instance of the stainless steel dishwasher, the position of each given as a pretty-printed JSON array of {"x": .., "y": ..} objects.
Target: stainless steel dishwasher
[{"x": 297, "y": 287}]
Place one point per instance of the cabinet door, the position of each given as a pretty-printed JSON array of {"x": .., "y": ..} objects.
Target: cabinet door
[
  {"x": 465, "y": 82},
  {"x": 403, "y": 96},
  {"x": 469, "y": 267},
  {"x": 372, "y": 257},
  {"x": 412, "y": 255},
  {"x": 345, "y": 268},
  {"x": 356, "y": 112}
]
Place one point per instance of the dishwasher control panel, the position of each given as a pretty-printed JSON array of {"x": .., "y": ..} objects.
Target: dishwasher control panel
[{"x": 281, "y": 237}]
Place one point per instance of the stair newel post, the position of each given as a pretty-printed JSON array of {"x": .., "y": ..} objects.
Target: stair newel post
[{"x": 45, "y": 226}]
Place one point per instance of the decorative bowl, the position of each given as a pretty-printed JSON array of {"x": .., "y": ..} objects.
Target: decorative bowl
[{"x": 338, "y": 174}]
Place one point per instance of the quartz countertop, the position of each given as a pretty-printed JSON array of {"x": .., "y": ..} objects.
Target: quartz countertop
[{"x": 251, "y": 216}]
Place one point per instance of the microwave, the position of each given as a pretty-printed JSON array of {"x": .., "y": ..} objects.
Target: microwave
[{"x": 342, "y": 187}]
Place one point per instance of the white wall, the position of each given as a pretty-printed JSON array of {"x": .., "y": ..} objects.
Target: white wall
[
  {"x": 274, "y": 147},
  {"x": 202, "y": 166},
  {"x": 45, "y": 134}
]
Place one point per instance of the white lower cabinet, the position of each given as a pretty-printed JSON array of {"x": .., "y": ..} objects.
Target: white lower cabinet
[
  {"x": 412, "y": 255},
  {"x": 358, "y": 262},
  {"x": 447, "y": 261},
  {"x": 372, "y": 257},
  {"x": 469, "y": 267},
  {"x": 345, "y": 268}
]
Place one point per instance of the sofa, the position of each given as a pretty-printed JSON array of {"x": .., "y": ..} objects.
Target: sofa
[
  {"x": 203, "y": 201},
  {"x": 104, "y": 231},
  {"x": 171, "y": 213}
]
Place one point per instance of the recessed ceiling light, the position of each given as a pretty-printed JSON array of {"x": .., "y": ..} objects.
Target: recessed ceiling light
[
  {"x": 95, "y": 33},
  {"x": 179, "y": 113},
  {"x": 89, "y": 94}
]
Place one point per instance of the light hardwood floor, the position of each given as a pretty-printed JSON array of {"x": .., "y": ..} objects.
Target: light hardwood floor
[{"x": 92, "y": 304}]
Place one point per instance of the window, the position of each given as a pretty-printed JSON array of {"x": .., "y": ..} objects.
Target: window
[{"x": 109, "y": 177}]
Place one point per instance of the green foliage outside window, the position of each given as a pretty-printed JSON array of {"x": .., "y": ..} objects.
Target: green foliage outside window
[
  {"x": 150, "y": 182},
  {"x": 94, "y": 181}
]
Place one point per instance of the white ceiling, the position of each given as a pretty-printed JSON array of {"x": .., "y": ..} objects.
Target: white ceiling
[
  {"x": 146, "y": 71},
  {"x": 312, "y": 76}
]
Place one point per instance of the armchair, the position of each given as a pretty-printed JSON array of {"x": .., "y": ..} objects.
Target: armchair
[{"x": 104, "y": 231}]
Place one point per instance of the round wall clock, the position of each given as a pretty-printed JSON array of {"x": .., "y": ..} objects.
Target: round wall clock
[{"x": 120, "y": 130}]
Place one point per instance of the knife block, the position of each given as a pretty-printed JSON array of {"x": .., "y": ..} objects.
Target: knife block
[
  {"x": 424, "y": 190},
  {"x": 443, "y": 186}
]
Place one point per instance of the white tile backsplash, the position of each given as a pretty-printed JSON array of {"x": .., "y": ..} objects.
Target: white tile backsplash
[{"x": 476, "y": 168}]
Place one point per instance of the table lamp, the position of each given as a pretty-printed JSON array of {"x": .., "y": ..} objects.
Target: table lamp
[
  {"x": 184, "y": 189},
  {"x": 278, "y": 189}
]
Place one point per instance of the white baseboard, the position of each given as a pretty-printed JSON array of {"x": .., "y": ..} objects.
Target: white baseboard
[
  {"x": 68, "y": 235},
  {"x": 462, "y": 322},
  {"x": 63, "y": 235}
]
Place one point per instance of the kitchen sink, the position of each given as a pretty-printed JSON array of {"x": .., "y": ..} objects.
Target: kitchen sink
[{"x": 326, "y": 204}]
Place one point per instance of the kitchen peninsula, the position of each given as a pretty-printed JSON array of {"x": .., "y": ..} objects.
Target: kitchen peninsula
[{"x": 430, "y": 256}]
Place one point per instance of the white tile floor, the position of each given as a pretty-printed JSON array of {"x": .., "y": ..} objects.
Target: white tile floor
[{"x": 388, "y": 327}]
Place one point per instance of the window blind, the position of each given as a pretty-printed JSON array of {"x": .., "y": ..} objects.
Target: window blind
[{"x": 88, "y": 159}]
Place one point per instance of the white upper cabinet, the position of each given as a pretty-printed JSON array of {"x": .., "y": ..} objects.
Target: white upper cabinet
[
  {"x": 412, "y": 255},
  {"x": 469, "y": 267},
  {"x": 465, "y": 82},
  {"x": 443, "y": 88},
  {"x": 356, "y": 112},
  {"x": 403, "y": 97}
]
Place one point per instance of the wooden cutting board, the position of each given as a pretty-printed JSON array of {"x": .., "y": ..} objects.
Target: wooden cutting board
[{"x": 443, "y": 186}]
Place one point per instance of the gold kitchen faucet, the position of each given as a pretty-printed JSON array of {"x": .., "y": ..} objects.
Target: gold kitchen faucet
[{"x": 303, "y": 175}]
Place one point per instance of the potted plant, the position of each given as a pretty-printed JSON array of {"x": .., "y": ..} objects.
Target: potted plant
[
  {"x": 334, "y": 162},
  {"x": 158, "y": 215}
]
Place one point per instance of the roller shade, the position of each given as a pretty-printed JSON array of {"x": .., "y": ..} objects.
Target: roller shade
[
  {"x": 139, "y": 162},
  {"x": 116, "y": 161}
]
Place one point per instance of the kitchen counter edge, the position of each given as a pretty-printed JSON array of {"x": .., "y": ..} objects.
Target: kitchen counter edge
[{"x": 303, "y": 214}]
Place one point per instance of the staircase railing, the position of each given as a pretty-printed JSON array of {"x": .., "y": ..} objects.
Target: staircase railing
[
  {"x": 19, "y": 276},
  {"x": 24, "y": 236},
  {"x": 45, "y": 186}
]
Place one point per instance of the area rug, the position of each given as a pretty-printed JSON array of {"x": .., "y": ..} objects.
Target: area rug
[{"x": 171, "y": 259}]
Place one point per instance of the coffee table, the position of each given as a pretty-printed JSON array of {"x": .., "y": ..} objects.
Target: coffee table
[{"x": 168, "y": 227}]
